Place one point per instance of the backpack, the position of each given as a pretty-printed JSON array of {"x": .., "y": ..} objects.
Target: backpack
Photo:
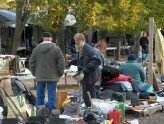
[{"x": 19, "y": 88}]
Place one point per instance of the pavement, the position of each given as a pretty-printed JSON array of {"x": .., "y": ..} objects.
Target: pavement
[{"x": 156, "y": 118}]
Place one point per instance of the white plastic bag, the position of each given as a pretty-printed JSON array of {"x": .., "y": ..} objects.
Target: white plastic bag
[
  {"x": 70, "y": 20},
  {"x": 104, "y": 105}
]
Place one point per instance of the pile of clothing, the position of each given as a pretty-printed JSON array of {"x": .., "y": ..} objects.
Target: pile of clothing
[{"x": 117, "y": 86}]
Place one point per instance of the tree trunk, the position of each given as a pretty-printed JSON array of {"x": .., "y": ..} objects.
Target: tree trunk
[
  {"x": 16, "y": 40},
  {"x": 61, "y": 39},
  {"x": 118, "y": 45},
  {"x": 21, "y": 19}
]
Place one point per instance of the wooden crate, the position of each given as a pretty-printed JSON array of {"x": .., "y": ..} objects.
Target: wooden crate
[{"x": 144, "y": 112}]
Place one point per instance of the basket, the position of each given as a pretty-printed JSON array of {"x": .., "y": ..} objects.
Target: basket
[{"x": 78, "y": 76}]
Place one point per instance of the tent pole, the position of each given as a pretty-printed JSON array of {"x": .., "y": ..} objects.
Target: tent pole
[
  {"x": 150, "y": 63},
  {"x": 0, "y": 44}
]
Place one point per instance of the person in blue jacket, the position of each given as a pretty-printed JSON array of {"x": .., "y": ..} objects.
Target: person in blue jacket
[{"x": 88, "y": 61}]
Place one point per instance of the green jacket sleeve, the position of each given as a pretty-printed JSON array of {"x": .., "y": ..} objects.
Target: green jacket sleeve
[
  {"x": 143, "y": 74},
  {"x": 60, "y": 62},
  {"x": 32, "y": 63}
]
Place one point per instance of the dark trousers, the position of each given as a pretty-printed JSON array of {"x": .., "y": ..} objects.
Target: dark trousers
[{"x": 86, "y": 87}]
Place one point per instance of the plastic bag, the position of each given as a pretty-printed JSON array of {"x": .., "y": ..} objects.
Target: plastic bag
[
  {"x": 104, "y": 105},
  {"x": 4, "y": 66}
]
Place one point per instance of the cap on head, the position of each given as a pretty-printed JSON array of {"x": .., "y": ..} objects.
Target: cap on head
[
  {"x": 132, "y": 57},
  {"x": 46, "y": 34}
]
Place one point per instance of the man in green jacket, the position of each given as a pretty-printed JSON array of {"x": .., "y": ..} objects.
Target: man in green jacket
[
  {"x": 47, "y": 65},
  {"x": 136, "y": 71}
]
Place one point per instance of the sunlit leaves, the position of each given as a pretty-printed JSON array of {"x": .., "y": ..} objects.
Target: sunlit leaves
[
  {"x": 6, "y": 4},
  {"x": 120, "y": 15},
  {"x": 50, "y": 13},
  {"x": 113, "y": 15},
  {"x": 155, "y": 8}
]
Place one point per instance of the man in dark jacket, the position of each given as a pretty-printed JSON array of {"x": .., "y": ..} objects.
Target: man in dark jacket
[
  {"x": 47, "y": 65},
  {"x": 88, "y": 61},
  {"x": 144, "y": 42}
]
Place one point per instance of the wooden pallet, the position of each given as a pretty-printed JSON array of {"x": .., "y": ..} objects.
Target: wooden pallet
[{"x": 141, "y": 112}]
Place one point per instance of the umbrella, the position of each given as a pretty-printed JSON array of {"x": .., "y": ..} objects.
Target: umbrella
[{"x": 7, "y": 16}]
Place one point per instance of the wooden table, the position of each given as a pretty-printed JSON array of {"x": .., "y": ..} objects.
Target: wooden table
[{"x": 113, "y": 49}]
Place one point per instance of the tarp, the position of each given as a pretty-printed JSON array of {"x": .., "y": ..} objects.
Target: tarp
[
  {"x": 159, "y": 50},
  {"x": 9, "y": 18},
  {"x": 6, "y": 15}
]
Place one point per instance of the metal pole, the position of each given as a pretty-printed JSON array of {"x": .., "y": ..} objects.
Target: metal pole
[
  {"x": 0, "y": 44},
  {"x": 150, "y": 64},
  {"x": 2, "y": 29}
]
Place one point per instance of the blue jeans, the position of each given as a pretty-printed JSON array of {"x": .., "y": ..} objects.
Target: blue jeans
[
  {"x": 143, "y": 87},
  {"x": 144, "y": 56},
  {"x": 51, "y": 86}
]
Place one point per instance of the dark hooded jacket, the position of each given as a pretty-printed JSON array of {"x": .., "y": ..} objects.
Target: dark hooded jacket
[
  {"x": 144, "y": 42},
  {"x": 47, "y": 62},
  {"x": 89, "y": 60}
]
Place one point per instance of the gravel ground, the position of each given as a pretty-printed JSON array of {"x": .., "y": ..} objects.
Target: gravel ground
[{"x": 156, "y": 118}]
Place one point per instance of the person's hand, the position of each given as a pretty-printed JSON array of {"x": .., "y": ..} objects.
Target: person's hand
[
  {"x": 67, "y": 57},
  {"x": 85, "y": 70},
  {"x": 68, "y": 63}
]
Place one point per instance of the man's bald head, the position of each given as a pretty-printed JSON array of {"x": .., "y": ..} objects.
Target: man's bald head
[{"x": 79, "y": 37}]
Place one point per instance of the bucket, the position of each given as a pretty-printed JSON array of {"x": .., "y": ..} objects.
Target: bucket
[
  {"x": 115, "y": 115},
  {"x": 122, "y": 107},
  {"x": 61, "y": 96}
]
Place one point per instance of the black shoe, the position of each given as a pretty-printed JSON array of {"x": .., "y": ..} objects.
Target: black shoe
[{"x": 43, "y": 112}]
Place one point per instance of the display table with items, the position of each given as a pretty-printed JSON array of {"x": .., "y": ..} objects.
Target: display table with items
[
  {"x": 109, "y": 49},
  {"x": 15, "y": 96},
  {"x": 17, "y": 101},
  {"x": 114, "y": 103}
]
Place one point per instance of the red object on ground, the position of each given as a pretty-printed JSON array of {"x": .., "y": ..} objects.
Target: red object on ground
[{"x": 116, "y": 116}]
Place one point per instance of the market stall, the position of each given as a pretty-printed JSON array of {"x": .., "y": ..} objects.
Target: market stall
[{"x": 110, "y": 106}]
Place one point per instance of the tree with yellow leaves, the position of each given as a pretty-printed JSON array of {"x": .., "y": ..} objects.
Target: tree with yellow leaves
[{"x": 111, "y": 15}]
